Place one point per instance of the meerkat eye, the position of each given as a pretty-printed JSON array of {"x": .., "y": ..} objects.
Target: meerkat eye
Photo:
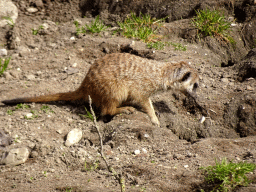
[
  {"x": 186, "y": 76},
  {"x": 195, "y": 86}
]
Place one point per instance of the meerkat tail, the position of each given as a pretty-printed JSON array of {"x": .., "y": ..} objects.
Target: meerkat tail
[{"x": 68, "y": 96}]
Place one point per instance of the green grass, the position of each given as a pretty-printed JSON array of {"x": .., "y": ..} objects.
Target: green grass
[
  {"x": 159, "y": 45},
  {"x": 95, "y": 26},
  {"x": 9, "y": 21},
  {"x": 142, "y": 27},
  {"x": 228, "y": 175},
  {"x": 35, "y": 31},
  {"x": 212, "y": 23},
  {"x": 9, "y": 112},
  {"x": 179, "y": 47},
  {"x": 3, "y": 67},
  {"x": 22, "y": 106},
  {"x": 89, "y": 115},
  {"x": 46, "y": 109}
]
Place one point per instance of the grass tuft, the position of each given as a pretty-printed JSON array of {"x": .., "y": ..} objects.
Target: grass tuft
[
  {"x": 3, "y": 67},
  {"x": 228, "y": 175},
  {"x": 96, "y": 26},
  {"x": 142, "y": 27},
  {"x": 212, "y": 23}
]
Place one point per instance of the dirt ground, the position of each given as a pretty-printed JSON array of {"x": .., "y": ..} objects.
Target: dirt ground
[{"x": 57, "y": 60}]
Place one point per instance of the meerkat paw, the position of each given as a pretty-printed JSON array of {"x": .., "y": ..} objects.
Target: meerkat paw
[
  {"x": 127, "y": 110},
  {"x": 155, "y": 122}
]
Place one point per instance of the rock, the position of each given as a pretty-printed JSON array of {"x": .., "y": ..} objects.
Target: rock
[
  {"x": 39, "y": 3},
  {"x": 7, "y": 75},
  {"x": 249, "y": 88},
  {"x": 32, "y": 9},
  {"x": 15, "y": 74},
  {"x": 23, "y": 51},
  {"x": 29, "y": 115},
  {"x": 136, "y": 152},
  {"x": 74, "y": 136},
  {"x": 3, "y": 52},
  {"x": 225, "y": 80},
  {"x": 15, "y": 157},
  {"x": 178, "y": 156},
  {"x": 8, "y": 13},
  {"x": 30, "y": 77},
  {"x": 34, "y": 154},
  {"x": 5, "y": 140},
  {"x": 71, "y": 70}
]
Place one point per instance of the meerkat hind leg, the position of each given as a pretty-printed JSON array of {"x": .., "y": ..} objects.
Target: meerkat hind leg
[
  {"x": 111, "y": 108},
  {"x": 148, "y": 108}
]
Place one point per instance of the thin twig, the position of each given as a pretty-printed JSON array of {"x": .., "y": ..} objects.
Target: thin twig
[{"x": 119, "y": 177}]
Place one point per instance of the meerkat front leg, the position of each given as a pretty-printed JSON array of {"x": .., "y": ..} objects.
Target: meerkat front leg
[{"x": 148, "y": 108}]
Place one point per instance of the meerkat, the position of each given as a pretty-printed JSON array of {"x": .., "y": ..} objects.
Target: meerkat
[{"x": 118, "y": 80}]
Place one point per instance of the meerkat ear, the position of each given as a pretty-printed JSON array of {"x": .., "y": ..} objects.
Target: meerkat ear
[{"x": 186, "y": 76}]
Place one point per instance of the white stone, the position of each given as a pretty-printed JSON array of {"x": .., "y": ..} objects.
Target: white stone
[
  {"x": 3, "y": 52},
  {"x": 30, "y": 77},
  {"x": 29, "y": 115},
  {"x": 137, "y": 152},
  {"x": 32, "y": 9},
  {"x": 74, "y": 136},
  {"x": 202, "y": 119},
  {"x": 144, "y": 150},
  {"x": 8, "y": 11}
]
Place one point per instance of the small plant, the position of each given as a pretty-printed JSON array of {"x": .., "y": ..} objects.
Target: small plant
[
  {"x": 45, "y": 173},
  {"x": 4, "y": 66},
  {"x": 89, "y": 115},
  {"x": 179, "y": 47},
  {"x": 22, "y": 106},
  {"x": 17, "y": 139},
  {"x": 159, "y": 45},
  {"x": 91, "y": 167},
  {"x": 35, "y": 31},
  {"x": 46, "y": 108},
  {"x": 211, "y": 23},
  {"x": 78, "y": 29},
  {"x": 229, "y": 175},
  {"x": 96, "y": 26},
  {"x": 9, "y": 21},
  {"x": 69, "y": 189},
  {"x": 9, "y": 112},
  {"x": 143, "y": 27}
]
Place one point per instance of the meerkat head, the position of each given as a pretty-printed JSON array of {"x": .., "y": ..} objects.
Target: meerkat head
[{"x": 185, "y": 79}]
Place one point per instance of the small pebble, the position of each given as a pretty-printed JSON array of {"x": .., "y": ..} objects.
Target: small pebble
[
  {"x": 74, "y": 136},
  {"x": 29, "y": 115},
  {"x": 32, "y": 9},
  {"x": 137, "y": 152},
  {"x": 3, "y": 52}
]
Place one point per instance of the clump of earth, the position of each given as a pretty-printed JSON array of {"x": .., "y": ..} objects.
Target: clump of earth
[{"x": 52, "y": 58}]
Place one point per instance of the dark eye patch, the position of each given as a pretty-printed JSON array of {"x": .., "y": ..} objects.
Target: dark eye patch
[
  {"x": 195, "y": 86},
  {"x": 186, "y": 76}
]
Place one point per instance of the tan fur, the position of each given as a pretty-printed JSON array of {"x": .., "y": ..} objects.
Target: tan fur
[{"x": 120, "y": 79}]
